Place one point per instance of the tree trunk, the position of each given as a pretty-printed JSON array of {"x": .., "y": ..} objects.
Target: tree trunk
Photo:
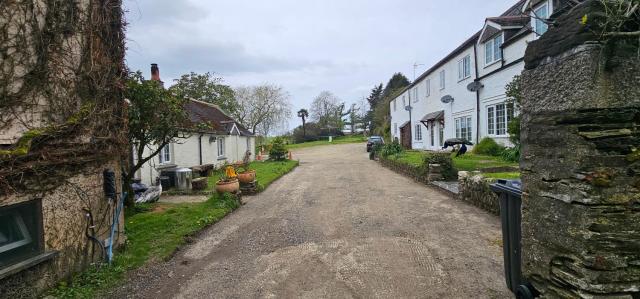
[{"x": 304, "y": 129}]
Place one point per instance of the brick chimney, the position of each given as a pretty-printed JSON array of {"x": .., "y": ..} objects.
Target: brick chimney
[{"x": 155, "y": 72}]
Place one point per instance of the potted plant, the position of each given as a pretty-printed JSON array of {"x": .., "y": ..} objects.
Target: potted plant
[
  {"x": 228, "y": 182},
  {"x": 246, "y": 175}
]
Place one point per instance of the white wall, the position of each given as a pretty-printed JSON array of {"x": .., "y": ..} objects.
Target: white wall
[{"x": 185, "y": 153}]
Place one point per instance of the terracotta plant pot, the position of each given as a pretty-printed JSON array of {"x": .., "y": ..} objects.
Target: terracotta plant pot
[
  {"x": 247, "y": 176},
  {"x": 228, "y": 186}
]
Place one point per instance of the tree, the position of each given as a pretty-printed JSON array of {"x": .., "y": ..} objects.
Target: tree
[
  {"x": 303, "y": 113},
  {"x": 156, "y": 118},
  {"x": 207, "y": 88},
  {"x": 262, "y": 108},
  {"x": 375, "y": 97},
  {"x": 381, "y": 114},
  {"x": 327, "y": 110}
]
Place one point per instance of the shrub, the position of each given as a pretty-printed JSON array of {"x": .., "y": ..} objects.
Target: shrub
[
  {"x": 449, "y": 172},
  {"x": 511, "y": 154},
  {"x": 390, "y": 149},
  {"x": 488, "y": 146},
  {"x": 277, "y": 150}
]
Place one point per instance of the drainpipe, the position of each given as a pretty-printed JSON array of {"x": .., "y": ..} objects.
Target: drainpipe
[
  {"x": 475, "y": 62},
  {"x": 200, "y": 148}
]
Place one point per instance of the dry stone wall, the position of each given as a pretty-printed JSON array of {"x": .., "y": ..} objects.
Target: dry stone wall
[
  {"x": 581, "y": 168},
  {"x": 474, "y": 189}
]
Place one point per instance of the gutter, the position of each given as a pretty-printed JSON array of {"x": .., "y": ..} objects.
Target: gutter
[
  {"x": 475, "y": 61},
  {"x": 200, "y": 147}
]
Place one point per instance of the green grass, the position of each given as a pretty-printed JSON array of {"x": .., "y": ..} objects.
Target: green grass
[
  {"x": 336, "y": 140},
  {"x": 266, "y": 172},
  {"x": 152, "y": 235},
  {"x": 155, "y": 231},
  {"x": 413, "y": 158},
  {"x": 471, "y": 162},
  {"x": 502, "y": 175}
]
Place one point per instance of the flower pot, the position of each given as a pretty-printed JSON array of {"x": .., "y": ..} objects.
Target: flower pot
[
  {"x": 247, "y": 176},
  {"x": 228, "y": 186}
]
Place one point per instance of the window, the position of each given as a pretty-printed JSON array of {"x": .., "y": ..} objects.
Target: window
[
  {"x": 538, "y": 17},
  {"x": 165, "y": 154},
  {"x": 395, "y": 129},
  {"x": 498, "y": 117},
  {"x": 441, "y": 135},
  {"x": 415, "y": 95},
  {"x": 20, "y": 232},
  {"x": 464, "y": 68},
  {"x": 394, "y": 105},
  {"x": 432, "y": 135},
  {"x": 404, "y": 102},
  {"x": 492, "y": 51},
  {"x": 463, "y": 127},
  {"x": 428, "y": 86},
  {"x": 220, "y": 147},
  {"x": 418, "y": 132},
  {"x": 442, "y": 80}
]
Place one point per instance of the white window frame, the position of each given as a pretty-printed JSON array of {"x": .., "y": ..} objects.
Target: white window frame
[
  {"x": 490, "y": 48},
  {"x": 464, "y": 127},
  {"x": 394, "y": 105},
  {"x": 464, "y": 68},
  {"x": 404, "y": 102},
  {"x": 395, "y": 129},
  {"x": 535, "y": 18},
  {"x": 497, "y": 125},
  {"x": 418, "y": 132},
  {"x": 166, "y": 154},
  {"x": 441, "y": 134},
  {"x": 415, "y": 95},
  {"x": 221, "y": 147},
  {"x": 432, "y": 135},
  {"x": 428, "y": 86},
  {"x": 443, "y": 80}
]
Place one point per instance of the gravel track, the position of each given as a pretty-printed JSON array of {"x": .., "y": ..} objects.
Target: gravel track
[{"x": 338, "y": 226}]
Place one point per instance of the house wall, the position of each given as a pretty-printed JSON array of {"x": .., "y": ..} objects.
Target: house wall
[
  {"x": 60, "y": 80},
  {"x": 185, "y": 153}
]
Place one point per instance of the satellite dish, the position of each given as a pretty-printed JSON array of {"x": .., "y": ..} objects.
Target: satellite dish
[
  {"x": 474, "y": 86},
  {"x": 447, "y": 99}
]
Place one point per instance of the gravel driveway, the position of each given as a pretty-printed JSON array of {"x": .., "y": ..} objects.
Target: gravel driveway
[{"x": 338, "y": 226}]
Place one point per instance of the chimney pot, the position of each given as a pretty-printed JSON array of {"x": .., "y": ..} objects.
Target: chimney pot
[{"x": 155, "y": 72}]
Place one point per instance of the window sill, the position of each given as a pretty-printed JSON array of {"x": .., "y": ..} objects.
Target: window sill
[
  {"x": 166, "y": 166},
  {"x": 222, "y": 158},
  {"x": 492, "y": 63},
  {"x": 28, "y": 263},
  {"x": 463, "y": 79}
]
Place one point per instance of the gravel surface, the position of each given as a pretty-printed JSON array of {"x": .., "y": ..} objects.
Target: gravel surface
[{"x": 338, "y": 226}]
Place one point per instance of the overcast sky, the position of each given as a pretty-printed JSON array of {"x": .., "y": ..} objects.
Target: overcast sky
[{"x": 343, "y": 46}]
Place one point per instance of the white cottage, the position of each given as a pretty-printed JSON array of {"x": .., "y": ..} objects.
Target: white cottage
[{"x": 463, "y": 95}]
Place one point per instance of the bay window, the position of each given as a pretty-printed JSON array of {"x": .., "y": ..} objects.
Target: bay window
[
  {"x": 498, "y": 116},
  {"x": 492, "y": 51},
  {"x": 463, "y": 127}
]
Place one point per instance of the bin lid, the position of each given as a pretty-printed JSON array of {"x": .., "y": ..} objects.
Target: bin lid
[
  {"x": 513, "y": 187},
  {"x": 183, "y": 170}
]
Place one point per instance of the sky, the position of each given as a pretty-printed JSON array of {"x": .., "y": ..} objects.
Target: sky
[{"x": 342, "y": 46}]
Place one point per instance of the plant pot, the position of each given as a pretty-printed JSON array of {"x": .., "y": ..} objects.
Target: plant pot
[
  {"x": 247, "y": 176},
  {"x": 228, "y": 186}
]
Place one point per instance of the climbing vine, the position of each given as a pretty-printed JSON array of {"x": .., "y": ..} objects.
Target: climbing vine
[{"x": 61, "y": 103}]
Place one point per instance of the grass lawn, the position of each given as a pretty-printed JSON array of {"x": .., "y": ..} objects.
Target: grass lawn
[
  {"x": 471, "y": 162},
  {"x": 155, "y": 231},
  {"x": 503, "y": 175},
  {"x": 266, "y": 172},
  {"x": 411, "y": 157},
  {"x": 336, "y": 140}
]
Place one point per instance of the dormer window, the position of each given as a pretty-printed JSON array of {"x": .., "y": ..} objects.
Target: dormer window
[
  {"x": 539, "y": 16},
  {"x": 492, "y": 51}
]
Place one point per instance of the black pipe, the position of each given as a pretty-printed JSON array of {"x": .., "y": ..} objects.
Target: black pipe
[
  {"x": 475, "y": 61},
  {"x": 200, "y": 147}
]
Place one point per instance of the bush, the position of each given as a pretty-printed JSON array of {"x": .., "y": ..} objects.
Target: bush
[
  {"x": 449, "y": 172},
  {"x": 390, "y": 149},
  {"x": 511, "y": 154},
  {"x": 313, "y": 133},
  {"x": 277, "y": 150},
  {"x": 488, "y": 146}
]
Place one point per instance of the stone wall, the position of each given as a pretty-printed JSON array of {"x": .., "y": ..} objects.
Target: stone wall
[
  {"x": 414, "y": 172},
  {"x": 581, "y": 167},
  {"x": 62, "y": 122},
  {"x": 474, "y": 189}
]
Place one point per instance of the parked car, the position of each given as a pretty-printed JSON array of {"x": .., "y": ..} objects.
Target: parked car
[{"x": 373, "y": 140}]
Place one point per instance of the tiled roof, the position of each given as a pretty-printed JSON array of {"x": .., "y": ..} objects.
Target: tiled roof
[{"x": 211, "y": 115}]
